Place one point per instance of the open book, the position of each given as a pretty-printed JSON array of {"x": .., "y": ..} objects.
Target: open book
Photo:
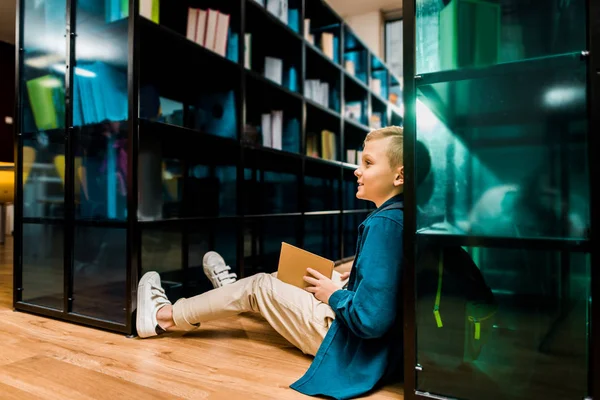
[{"x": 293, "y": 262}]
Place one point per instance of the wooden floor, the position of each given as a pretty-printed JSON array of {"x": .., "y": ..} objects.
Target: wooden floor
[{"x": 236, "y": 358}]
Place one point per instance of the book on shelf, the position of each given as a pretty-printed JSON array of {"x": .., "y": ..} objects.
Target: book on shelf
[
  {"x": 278, "y": 8},
  {"x": 376, "y": 86},
  {"x": 272, "y": 129},
  {"x": 351, "y": 156},
  {"x": 274, "y": 69},
  {"x": 248, "y": 50},
  {"x": 210, "y": 29},
  {"x": 375, "y": 120},
  {"x": 115, "y": 10},
  {"x": 353, "y": 110},
  {"x": 328, "y": 143},
  {"x": 327, "y": 44},
  {"x": 317, "y": 91},
  {"x": 349, "y": 67}
]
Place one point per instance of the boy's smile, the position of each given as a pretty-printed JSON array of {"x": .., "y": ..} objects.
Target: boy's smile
[{"x": 377, "y": 180}]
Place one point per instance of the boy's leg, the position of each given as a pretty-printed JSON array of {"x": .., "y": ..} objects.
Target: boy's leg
[{"x": 294, "y": 313}]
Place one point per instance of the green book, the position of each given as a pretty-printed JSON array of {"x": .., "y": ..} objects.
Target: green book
[{"x": 469, "y": 34}]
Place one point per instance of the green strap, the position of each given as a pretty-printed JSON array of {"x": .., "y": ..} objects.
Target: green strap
[
  {"x": 477, "y": 330},
  {"x": 436, "y": 308}
]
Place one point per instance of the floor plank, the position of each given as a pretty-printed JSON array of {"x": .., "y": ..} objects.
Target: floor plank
[{"x": 235, "y": 358}]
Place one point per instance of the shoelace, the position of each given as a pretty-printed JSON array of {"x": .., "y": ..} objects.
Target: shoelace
[{"x": 223, "y": 276}]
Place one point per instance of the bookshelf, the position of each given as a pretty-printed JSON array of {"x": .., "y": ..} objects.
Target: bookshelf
[
  {"x": 500, "y": 125},
  {"x": 152, "y": 146}
]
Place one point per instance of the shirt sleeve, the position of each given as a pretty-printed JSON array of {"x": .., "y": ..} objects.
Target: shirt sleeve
[{"x": 371, "y": 309}]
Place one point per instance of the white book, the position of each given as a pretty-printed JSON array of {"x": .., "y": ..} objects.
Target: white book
[
  {"x": 307, "y": 29},
  {"x": 274, "y": 69},
  {"x": 146, "y": 8},
  {"x": 277, "y": 129},
  {"x": 211, "y": 29},
  {"x": 351, "y": 156},
  {"x": 267, "y": 140},
  {"x": 192, "y": 22},
  {"x": 247, "y": 50},
  {"x": 222, "y": 30},
  {"x": 358, "y": 157},
  {"x": 325, "y": 94},
  {"x": 376, "y": 86},
  {"x": 283, "y": 11},
  {"x": 201, "y": 27},
  {"x": 327, "y": 44}
]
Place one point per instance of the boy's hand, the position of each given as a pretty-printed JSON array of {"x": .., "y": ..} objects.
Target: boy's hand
[
  {"x": 345, "y": 276},
  {"x": 322, "y": 287}
]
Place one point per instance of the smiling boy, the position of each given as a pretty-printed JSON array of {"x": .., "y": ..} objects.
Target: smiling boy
[{"x": 354, "y": 331}]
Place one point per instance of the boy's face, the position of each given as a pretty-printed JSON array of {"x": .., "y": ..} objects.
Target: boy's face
[{"x": 377, "y": 180}]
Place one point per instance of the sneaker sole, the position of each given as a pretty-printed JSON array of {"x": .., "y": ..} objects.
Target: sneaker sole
[{"x": 143, "y": 325}]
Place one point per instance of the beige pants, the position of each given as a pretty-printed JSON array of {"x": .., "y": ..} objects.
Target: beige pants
[{"x": 294, "y": 313}]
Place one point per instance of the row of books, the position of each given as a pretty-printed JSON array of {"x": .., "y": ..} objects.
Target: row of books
[
  {"x": 280, "y": 9},
  {"x": 273, "y": 127},
  {"x": 118, "y": 9},
  {"x": 328, "y": 142},
  {"x": 353, "y": 156},
  {"x": 317, "y": 91},
  {"x": 208, "y": 28}
]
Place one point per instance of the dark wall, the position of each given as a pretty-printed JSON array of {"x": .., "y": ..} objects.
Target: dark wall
[{"x": 7, "y": 99}]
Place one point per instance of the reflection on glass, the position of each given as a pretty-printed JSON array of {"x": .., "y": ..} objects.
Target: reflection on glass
[
  {"x": 43, "y": 281},
  {"x": 162, "y": 253},
  {"x": 220, "y": 236},
  {"x": 269, "y": 192},
  {"x": 212, "y": 190},
  {"x": 43, "y": 96},
  {"x": 526, "y": 180},
  {"x": 322, "y": 236},
  {"x": 99, "y": 273},
  {"x": 511, "y": 324},
  {"x": 506, "y": 30},
  {"x": 100, "y": 171},
  {"x": 100, "y": 112},
  {"x": 262, "y": 242}
]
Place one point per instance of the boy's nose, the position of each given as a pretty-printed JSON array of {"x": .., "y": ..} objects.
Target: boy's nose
[{"x": 357, "y": 172}]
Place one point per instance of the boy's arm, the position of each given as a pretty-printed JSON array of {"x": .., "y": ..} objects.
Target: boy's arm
[{"x": 371, "y": 309}]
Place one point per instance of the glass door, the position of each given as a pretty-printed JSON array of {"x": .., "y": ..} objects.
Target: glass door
[{"x": 503, "y": 277}]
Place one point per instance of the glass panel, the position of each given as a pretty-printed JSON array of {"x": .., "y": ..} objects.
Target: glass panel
[
  {"x": 525, "y": 337},
  {"x": 43, "y": 95},
  {"x": 322, "y": 235},
  {"x": 467, "y": 33},
  {"x": 162, "y": 252},
  {"x": 100, "y": 111},
  {"x": 271, "y": 182},
  {"x": 262, "y": 242},
  {"x": 99, "y": 273},
  {"x": 487, "y": 168},
  {"x": 220, "y": 235},
  {"x": 43, "y": 281},
  {"x": 321, "y": 186}
]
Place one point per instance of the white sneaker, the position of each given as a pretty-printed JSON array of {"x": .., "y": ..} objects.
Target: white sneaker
[
  {"x": 216, "y": 270},
  {"x": 151, "y": 297}
]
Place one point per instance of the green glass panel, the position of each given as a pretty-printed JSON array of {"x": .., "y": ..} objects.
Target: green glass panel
[
  {"x": 455, "y": 34},
  {"x": 525, "y": 339}
]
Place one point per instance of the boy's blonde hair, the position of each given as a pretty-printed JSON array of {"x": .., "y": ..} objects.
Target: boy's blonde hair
[{"x": 396, "y": 149}]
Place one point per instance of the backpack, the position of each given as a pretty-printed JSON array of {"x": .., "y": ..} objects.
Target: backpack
[{"x": 455, "y": 308}]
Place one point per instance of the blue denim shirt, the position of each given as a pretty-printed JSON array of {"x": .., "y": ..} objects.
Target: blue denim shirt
[{"x": 364, "y": 345}]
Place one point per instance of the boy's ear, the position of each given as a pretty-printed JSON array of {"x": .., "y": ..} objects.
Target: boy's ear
[{"x": 399, "y": 177}]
